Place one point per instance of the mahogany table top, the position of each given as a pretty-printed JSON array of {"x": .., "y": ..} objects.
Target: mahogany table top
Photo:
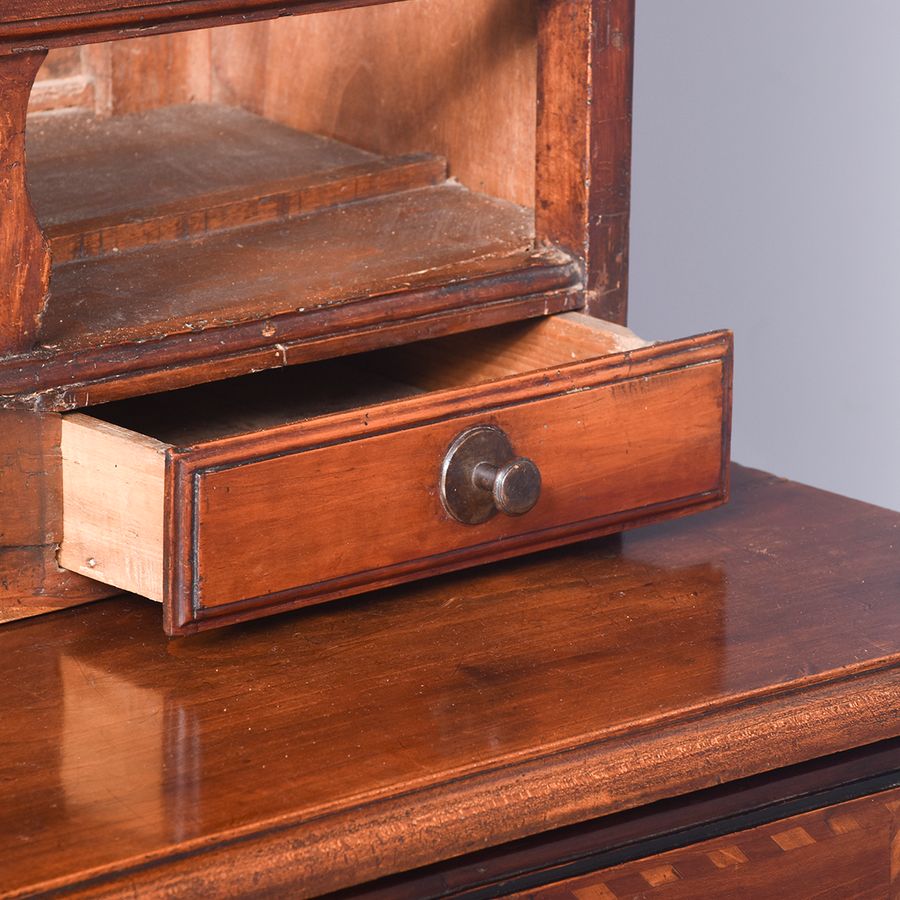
[{"x": 360, "y": 738}]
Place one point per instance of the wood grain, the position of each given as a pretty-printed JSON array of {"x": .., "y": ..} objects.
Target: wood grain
[
  {"x": 607, "y": 457},
  {"x": 74, "y": 93},
  {"x": 599, "y": 426},
  {"x": 24, "y": 255},
  {"x": 472, "y": 99},
  {"x": 31, "y": 24},
  {"x": 159, "y": 71},
  {"x": 483, "y": 61},
  {"x": 843, "y": 851},
  {"x": 436, "y": 235},
  {"x": 63, "y": 63},
  {"x": 29, "y": 479},
  {"x": 113, "y": 497},
  {"x": 31, "y": 581},
  {"x": 585, "y": 68},
  {"x": 648, "y": 831},
  {"x": 233, "y": 266},
  {"x": 107, "y": 185},
  {"x": 68, "y": 379},
  {"x": 434, "y": 720}
]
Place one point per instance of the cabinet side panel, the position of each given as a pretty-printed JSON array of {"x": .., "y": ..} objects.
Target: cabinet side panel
[
  {"x": 113, "y": 498},
  {"x": 585, "y": 68}
]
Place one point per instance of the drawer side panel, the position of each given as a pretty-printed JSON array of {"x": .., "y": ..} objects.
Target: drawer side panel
[{"x": 113, "y": 502}]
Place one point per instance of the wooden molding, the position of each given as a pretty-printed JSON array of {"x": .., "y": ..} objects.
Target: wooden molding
[{"x": 24, "y": 253}]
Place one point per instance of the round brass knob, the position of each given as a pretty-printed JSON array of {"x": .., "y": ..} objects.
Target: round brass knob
[{"x": 481, "y": 476}]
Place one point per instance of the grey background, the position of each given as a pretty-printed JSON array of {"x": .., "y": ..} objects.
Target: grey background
[{"x": 766, "y": 198}]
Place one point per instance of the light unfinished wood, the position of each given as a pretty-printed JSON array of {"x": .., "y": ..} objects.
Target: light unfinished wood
[
  {"x": 113, "y": 502},
  {"x": 476, "y": 357}
]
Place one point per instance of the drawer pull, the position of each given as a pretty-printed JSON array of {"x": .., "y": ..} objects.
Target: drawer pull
[{"x": 481, "y": 476}]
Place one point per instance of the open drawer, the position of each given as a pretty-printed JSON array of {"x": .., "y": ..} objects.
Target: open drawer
[{"x": 246, "y": 497}]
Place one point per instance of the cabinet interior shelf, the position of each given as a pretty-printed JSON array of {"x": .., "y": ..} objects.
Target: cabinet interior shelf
[{"x": 202, "y": 241}]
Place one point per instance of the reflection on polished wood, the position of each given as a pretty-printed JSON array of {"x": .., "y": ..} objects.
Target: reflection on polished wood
[{"x": 337, "y": 744}]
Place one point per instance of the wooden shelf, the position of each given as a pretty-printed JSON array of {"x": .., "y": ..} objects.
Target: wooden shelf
[
  {"x": 90, "y": 177},
  {"x": 438, "y": 719},
  {"x": 206, "y": 241}
]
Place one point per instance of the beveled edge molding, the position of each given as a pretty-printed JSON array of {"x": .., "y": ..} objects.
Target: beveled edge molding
[
  {"x": 62, "y": 380},
  {"x": 330, "y": 849}
]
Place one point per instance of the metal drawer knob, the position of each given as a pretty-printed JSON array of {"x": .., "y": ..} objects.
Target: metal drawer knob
[{"x": 481, "y": 475}]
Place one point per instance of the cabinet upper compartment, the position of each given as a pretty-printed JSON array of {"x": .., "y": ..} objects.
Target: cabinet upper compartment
[{"x": 232, "y": 199}]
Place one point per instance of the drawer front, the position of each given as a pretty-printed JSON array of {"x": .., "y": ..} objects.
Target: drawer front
[{"x": 323, "y": 509}]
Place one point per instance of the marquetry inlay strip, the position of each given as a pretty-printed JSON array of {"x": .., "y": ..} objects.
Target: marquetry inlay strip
[{"x": 854, "y": 847}]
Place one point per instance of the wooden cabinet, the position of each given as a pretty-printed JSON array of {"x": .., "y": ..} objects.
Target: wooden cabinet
[
  {"x": 400, "y": 227},
  {"x": 309, "y": 300}
]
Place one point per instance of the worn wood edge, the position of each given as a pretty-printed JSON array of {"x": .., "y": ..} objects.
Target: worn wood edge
[
  {"x": 65, "y": 380},
  {"x": 621, "y": 337},
  {"x": 609, "y": 195},
  {"x": 585, "y": 71},
  {"x": 384, "y": 835},
  {"x": 24, "y": 253},
  {"x": 304, "y": 350},
  {"x": 260, "y": 203},
  {"x": 32, "y": 583},
  {"x": 114, "y": 24},
  {"x": 113, "y": 493},
  {"x": 727, "y": 416}
]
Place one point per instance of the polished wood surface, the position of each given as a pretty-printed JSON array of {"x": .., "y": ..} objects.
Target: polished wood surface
[
  {"x": 686, "y": 820},
  {"x": 620, "y": 439},
  {"x": 845, "y": 851},
  {"x": 341, "y": 743}
]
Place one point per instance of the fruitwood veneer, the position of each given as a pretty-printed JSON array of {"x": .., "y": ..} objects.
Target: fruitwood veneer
[{"x": 339, "y": 744}]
